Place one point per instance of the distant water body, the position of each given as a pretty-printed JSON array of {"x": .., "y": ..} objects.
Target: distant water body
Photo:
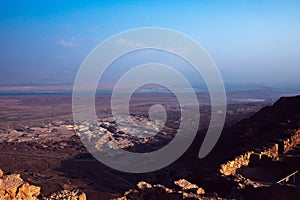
[{"x": 18, "y": 93}]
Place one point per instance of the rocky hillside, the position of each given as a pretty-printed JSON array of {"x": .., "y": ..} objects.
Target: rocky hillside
[
  {"x": 262, "y": 128},
  {"x": 247, "y": 140},
  {"x": 258, "y": 135},
  {"x": 283, "y": 114}
]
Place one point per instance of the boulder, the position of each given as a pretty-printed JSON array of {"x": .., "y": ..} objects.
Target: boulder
[{"x": 13, "y": 187}]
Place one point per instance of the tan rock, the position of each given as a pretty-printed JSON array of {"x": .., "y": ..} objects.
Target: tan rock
[
  {"x": 200, "y": 191},
  {"x": 82, "y": 196},
  {"x": 67, "y": 194},
  {"x": 10, "y": 181},
  {"x": 12, "y": 191},
  {"x": 153, "y": 192},
  {"x": 28, "y": 191},
  {"x": 185, "y": 185},
  {"x": 144, "y": 185},
  {"x": 12, "y": 187}
]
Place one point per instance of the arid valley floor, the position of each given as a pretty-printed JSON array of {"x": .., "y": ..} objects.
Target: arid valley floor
[{"x": 38, "y": 140}]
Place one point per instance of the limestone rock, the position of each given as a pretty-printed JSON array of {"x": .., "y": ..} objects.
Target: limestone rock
[
  {"x": 146, "y": 191},
  {"x": 67, "y": 194},
  {"x": 12, "y": 187},
  {"x": 10, "y": 181},
  {"x": 200, "y": 191},
  {"x": 186, "y": 186},
  {"x": 143, "y": 185},
  {"x": 28, "y": 191}
]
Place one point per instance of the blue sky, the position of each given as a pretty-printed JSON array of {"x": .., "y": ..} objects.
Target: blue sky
[{"x": 44, "y": 42}]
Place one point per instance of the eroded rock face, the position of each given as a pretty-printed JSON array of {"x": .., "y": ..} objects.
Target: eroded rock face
[{"x": 12, "y": 187}]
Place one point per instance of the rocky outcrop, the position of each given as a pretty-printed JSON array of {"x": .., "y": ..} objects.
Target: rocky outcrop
[
  {"x": 146, "y": 191},
  {"x": 272, "y": 151},
  {"x": 67, "y": 194},
  {"x": 12, "y": 187},
  {"x": 189, "y": 187}
]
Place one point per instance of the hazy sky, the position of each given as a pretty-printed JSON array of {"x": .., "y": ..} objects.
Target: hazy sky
[{"x": 44, "y": 42}]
